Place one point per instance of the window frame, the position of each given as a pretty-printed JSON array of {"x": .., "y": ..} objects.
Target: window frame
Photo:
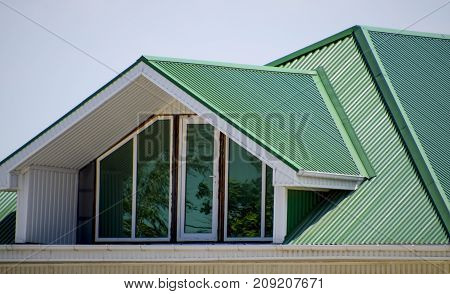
[
  {"x": 133, "y": 136},
  {"x": 189, "y": 237},
  {"x": 262, "y": 237}
]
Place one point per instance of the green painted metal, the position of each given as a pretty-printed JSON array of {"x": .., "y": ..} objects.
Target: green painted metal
[
  {"x": 312, "y": 47},
  {"x": 268, "y": 94},
  {"x": 7, "y": 217},
  {"x": 360, "y": 156},
  {"x": 283, "y": 111},
  {"x": 300, "y": 205},
  {"x": 392, "y": 208},
  {"x": 413, "y": 74}
]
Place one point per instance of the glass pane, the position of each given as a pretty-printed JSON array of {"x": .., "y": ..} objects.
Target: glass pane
[
  {"x": 244, "y": 193},
  {"x": 116, "y": 173},
  {"x": 153, "y": 181},
  {"x": 269, "y": 202},
  {"x": 199, "y": 181}
]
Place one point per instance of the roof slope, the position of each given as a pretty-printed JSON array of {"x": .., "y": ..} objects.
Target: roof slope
[
  {"x": 419, "y": 69},
  {"x": 288, "y": 112},
  {"x": 285, "y": 111},
  {"x": 7, "y": 217},
  {"x": 395, "y": 207}
]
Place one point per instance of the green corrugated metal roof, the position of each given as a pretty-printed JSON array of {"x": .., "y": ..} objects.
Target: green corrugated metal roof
[
  {"x": 392, "y": 208},
  {"x": 7, "y": 217},
  {"x": 419, "y": 70},
  {"x": 301, "y": 126},
  {"x": 270, "y": 106}
]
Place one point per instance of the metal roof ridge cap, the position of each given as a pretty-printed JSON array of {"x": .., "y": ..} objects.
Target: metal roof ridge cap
[
  {"x": 150, "y": 58},
  {"x": 406, "y": 32},
  {"x": 333, "y": 38},
  {"x": 401, "y": 120},
  {"x": 361, "y": 155}
]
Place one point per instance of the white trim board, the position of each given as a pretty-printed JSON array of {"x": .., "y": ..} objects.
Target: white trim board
[
  {"x": 181, "y": 235},
  {"x": 218, "y": 252}
]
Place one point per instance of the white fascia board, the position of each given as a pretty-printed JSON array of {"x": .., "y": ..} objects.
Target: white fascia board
[
  {"x": 7, "y": 168},
  {"x": 219, "y": 252}
]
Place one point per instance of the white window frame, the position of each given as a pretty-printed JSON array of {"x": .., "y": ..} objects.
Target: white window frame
[
  {"x": 263, "y": 202},
  {"x": 181, "y": 235},
  {"x": 133, "y": 136}
]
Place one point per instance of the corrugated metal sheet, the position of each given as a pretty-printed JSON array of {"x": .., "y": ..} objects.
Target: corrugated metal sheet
[
  {"x": 300, "y": 205},
  {"x": 393, "y": 207},
  {"x": 282, "y": 110},
  {"x": 418, "y": 68},
  {"x": 7, "y": 217},
  {"x": 52, "y": 206}
]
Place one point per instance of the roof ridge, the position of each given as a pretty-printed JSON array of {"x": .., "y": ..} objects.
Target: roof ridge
[
  {"x": 405, "y": 32},
  {"x": 228, "y": 65},
  {"x": 342, "y": 34}
]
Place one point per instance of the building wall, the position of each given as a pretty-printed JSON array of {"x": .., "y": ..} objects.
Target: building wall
[
  {"x": 250, "y": 267},
  {"x": 47, "y": 206},
  {"x": 224, "y": 258}
]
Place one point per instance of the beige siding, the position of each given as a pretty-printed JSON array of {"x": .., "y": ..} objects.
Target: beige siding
[{"x": 322, "y": 267}]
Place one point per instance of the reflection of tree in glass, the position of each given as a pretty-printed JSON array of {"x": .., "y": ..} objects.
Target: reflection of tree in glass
[
  {"x": 198, "y": 167},
  {"x": 152, "y": 201},
  {"x": 244, "y": 193},
  {"x": 244, "y": 208},
  {"x": 126, "y": 206}
]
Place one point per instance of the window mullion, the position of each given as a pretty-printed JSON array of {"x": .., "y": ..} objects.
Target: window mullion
[
  {"x": 263, "y": 200},
  {"x": 133, "y": 206}
]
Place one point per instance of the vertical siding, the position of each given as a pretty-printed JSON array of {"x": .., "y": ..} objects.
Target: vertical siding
[
  {"x": 393, "y": 207},
  {"x": 52, "y": 206}
]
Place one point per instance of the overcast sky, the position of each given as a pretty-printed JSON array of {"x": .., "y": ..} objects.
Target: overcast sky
[{"x": 42, "y": 77}]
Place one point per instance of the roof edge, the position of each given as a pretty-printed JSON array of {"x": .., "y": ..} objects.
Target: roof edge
[
  {"x": 230, "y": 65},
  {"x": 405, "y": 32},
  {"x": 71, "y": 111},
  {"x": 313, "y": 46},
  {"x": 348, "y": 32},
  {"x": 401, "y": 120}
]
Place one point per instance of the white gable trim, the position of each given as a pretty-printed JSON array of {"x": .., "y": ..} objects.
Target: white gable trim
[
  {"x": 7, "y": 173},
  {"x": 284, "y": 175}
]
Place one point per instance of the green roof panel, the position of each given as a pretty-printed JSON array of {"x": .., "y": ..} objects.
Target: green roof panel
[
  {"x": 7, "y": 217},
  {"x": 392, "y": 208},
  {"x": 284, "y": 110},
  {"x": 419, "y": 70}
]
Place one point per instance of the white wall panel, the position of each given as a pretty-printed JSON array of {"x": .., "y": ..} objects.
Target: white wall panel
[{"x": 47, "y": 206}]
